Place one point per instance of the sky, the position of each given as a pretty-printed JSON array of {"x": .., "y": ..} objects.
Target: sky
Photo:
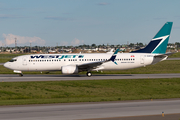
[{"x": 77, "y": 22}]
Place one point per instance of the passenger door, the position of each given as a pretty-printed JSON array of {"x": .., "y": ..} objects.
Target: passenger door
[
  {"x": 24, "y": 61},
  {"x": 142, "y": 59}
]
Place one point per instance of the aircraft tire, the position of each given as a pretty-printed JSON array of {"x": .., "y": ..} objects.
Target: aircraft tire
[
  {"x": 89, "y": 74},
  {"x": 20, "y": 75}
]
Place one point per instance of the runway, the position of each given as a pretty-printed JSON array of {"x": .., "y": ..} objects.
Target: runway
[
  {"x": 16, "y": 78},
  {"x": 89, "y": 110}
]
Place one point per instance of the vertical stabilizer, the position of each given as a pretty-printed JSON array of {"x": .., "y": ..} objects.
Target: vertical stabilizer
[{"x": 158, "y": 44}]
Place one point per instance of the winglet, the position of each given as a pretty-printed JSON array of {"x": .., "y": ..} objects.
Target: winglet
[{"x": 113, "y": 57}]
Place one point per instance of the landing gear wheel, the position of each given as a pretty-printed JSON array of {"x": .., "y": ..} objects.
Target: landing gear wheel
[
  {"x": 89, "y": 74},
  {"x": 21, "y": 75}
]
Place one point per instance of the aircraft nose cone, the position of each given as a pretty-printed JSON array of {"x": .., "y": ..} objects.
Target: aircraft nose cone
[{"x": 6, "y": 64}]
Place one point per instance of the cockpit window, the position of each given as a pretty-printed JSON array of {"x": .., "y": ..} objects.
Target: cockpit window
[{"x": 12, "y": 60}]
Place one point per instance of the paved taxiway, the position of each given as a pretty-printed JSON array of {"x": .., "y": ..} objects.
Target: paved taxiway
[
  {"x": 173, "y": 59},
  {"x": 89, "y": 110},
  {"x": 16, "y": 78}
]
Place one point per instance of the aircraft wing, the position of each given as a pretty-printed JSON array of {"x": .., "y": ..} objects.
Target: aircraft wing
[
  {"x": 94, "y": 65},
  {"x": 89, "y": 66}
]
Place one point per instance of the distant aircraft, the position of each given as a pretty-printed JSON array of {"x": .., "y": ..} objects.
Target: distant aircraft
[{"x": 154, "y": 52}]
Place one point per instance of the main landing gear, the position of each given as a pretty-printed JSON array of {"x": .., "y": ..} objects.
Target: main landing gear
[
  {"x": 89, "y": 74},
  {"x": 20, "y": 75}
]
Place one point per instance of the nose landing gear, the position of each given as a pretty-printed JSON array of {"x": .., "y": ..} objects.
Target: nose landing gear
[{"x": 19, "y": 72}]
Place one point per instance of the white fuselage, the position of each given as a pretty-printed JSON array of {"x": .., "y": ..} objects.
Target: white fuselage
[{"x": 54, "y": 62}]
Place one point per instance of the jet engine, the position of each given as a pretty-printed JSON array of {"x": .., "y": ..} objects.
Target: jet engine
[{"x": 70, "y": 69}]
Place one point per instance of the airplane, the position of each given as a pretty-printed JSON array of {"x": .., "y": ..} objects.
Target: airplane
[{"x": 153, "y": 53}]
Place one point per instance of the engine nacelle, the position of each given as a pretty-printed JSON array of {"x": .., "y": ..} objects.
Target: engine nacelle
[{"x": 70, "y": 69}]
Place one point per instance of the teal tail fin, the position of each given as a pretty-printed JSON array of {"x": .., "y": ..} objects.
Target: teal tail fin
[{"x": 158, "y": 44}]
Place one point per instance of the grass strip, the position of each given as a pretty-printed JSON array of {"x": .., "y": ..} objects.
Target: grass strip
[
  {"x": 175, "y": 55},
  {"x": 18, "y": 93}
]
